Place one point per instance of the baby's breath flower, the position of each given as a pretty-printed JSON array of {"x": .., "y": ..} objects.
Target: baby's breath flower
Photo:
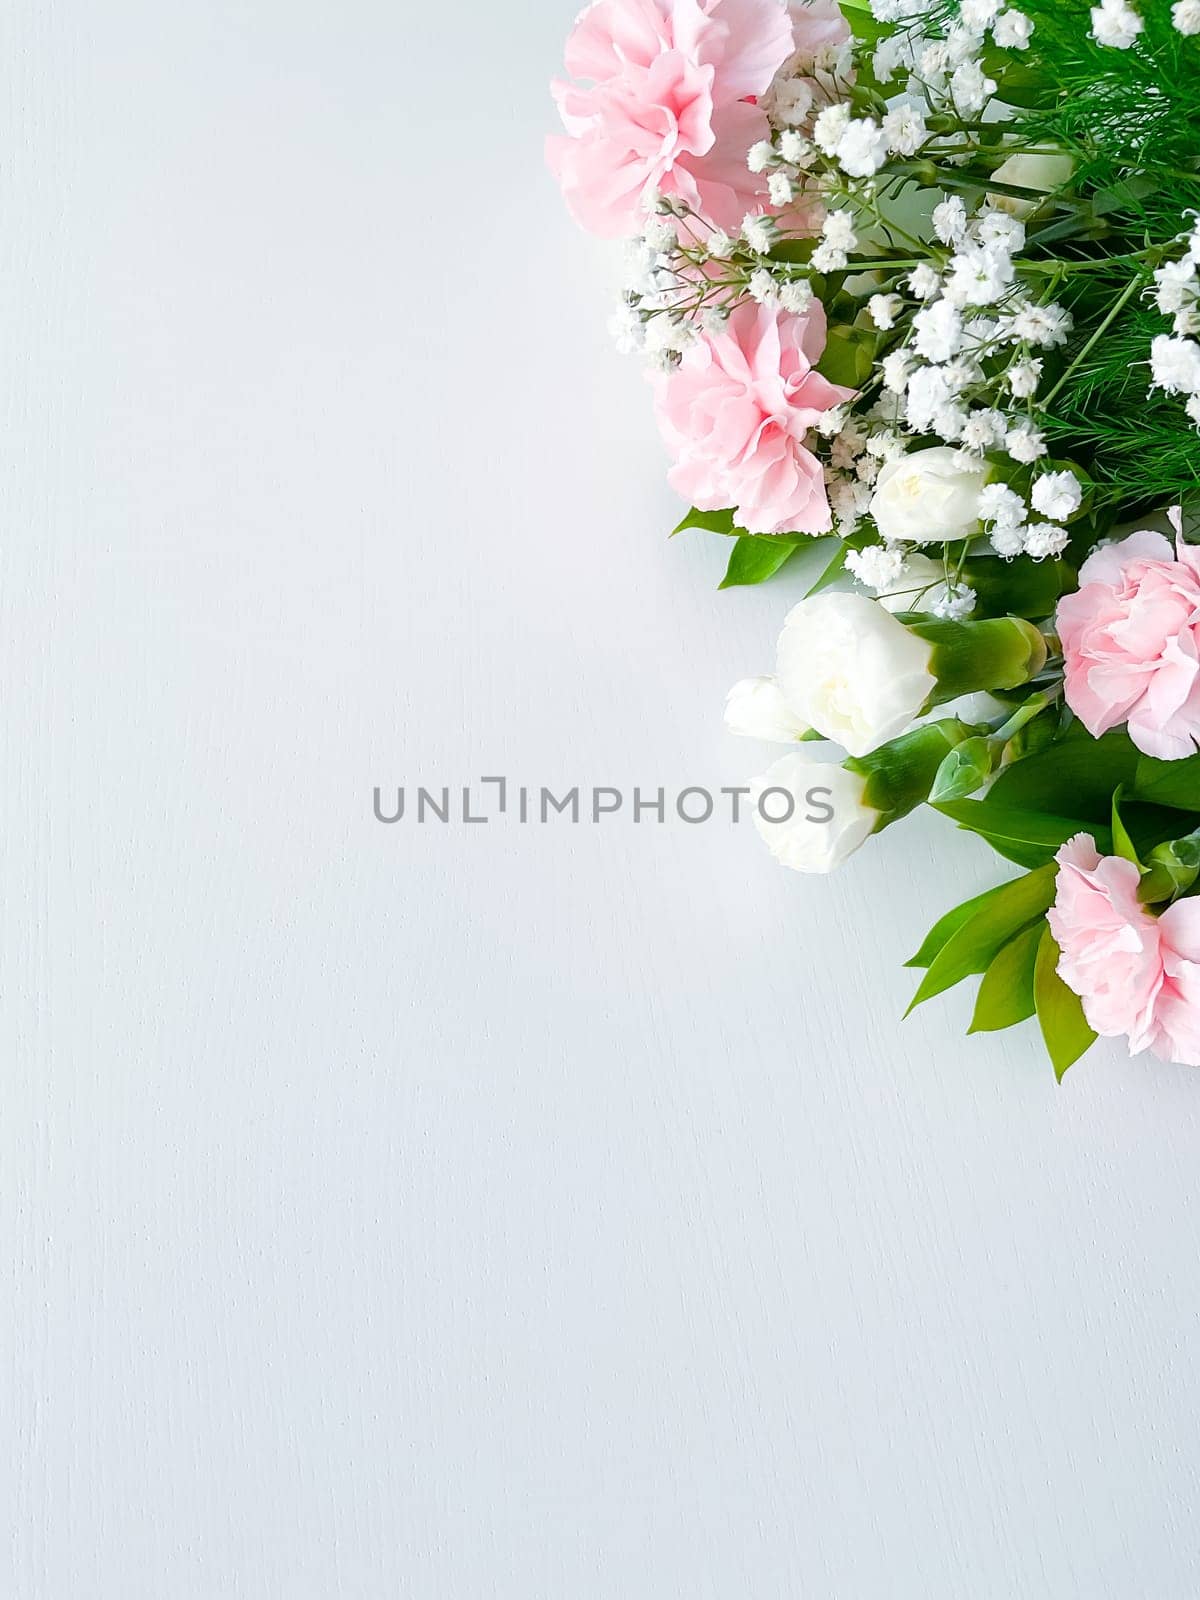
[
  {"x": 760, "y": 156},
  {"x": 763, "y": 287},
  {"x": 1025, "y": 443},
  {"x": 779, "y": 187},
  {"x": 796, "y": 297},
  {"x": 971, "y": 88},
  {"x": 791, "y": 102},
  {"x": 897, "y": 365},
  {"x": 795, "y": 149},
  {"x": 904, "y": 129},
  {"x": 830, "y": 126},
  {"x": 721, "y": 244},
  {"x": 759, "y": 233},
  {"x": 1057, "y": 495},
  {"x": 952, "y": 601},
  {"x": 879, "y": 566},
  {"x": 1023, "y": 377},
  {"x": 950, "y": 220},
  {"x": 1175, "y": 364},
  {"x": 883, "y": 310},
  {"x": 1001, "y": 505},
  {"x": 1046, "y": 326},
  {"x": 937, "y": 331},
  {"x": 923, "y": 281},
  {"x": 1007, "y": 542},
  {"x": 1044, "y": 539},
  {"x": 1115, "y": 23},
  {"x": 1011, "y": 30},
  {"x": 862, "y": 148}
]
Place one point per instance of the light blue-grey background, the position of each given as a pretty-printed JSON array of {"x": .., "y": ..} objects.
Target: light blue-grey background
[{"x": 543, "y": 1214}]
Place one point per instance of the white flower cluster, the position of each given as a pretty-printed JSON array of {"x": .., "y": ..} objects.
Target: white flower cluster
[
  {"x": 1175, "y": 357},
  {"x": 1117, "y": 24},
  {"x": 975, "y": 310},
  {"x": 1055, "y": 497}
]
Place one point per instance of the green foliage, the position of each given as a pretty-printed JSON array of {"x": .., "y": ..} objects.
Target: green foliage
[
  {"x": 1006, "y": 992},
  {"x": 1059, "y": 1011},
  {"x": 756, "y": 557},
  {"x": 973, "y": 943}
]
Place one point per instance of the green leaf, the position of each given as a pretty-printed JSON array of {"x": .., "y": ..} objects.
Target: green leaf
[
  {"x": 848, "y": 356},
  {"x": 1122, "y": 843},
  {"x": 1059, "y": 1011},
  {"x": 1170, "y": 783},
  {"x": 1006, "y": 993},
  {"x": 1019, "y": 588},
  {"x": 709, "y": 521},
  {"x": 756, "y": 557},
  {"x": 945, "y": 927},
  {"x": 964, "y": 770},
  {"x": 974, "y": 945},
  {"x": 1030, "y": 837},
  {"x": 1075, "y": 776}
]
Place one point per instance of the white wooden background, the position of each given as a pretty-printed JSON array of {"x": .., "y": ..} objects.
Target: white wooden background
[{"x": 485, "y": 1212}]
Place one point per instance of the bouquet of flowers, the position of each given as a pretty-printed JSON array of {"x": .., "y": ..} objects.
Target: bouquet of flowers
[{"x": 920, "y": 280}]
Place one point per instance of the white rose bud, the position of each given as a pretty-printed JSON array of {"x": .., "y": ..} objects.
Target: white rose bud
[
  {"x": 755, "y": 709},
  {"x": 852, "y": 671},
  {"x": 928, "y": 496},
  {"x": 1039, "y": 170},
  {"x": 823, "y": 817}
]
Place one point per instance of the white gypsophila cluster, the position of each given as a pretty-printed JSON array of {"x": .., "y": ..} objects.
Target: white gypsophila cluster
[
  {"x": 1056, "y": 496},
  {"x": 1175, "y": 357},
  {"x": 1115, "y": 23},
  {"x": 954, "y": 601},
  {"x": 880, "y": 566}
]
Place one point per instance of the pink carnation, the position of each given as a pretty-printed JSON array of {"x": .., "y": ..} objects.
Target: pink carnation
[
  {"x": 1136, "y": 973},
  {"x": 670, "y": 108},
  {"x": 735, "y": 413},
  {"x": 1131, "y": 643}
]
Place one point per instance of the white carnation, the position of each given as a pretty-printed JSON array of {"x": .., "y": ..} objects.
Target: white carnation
[
  {"x": 852, "y": 671},
  {"x": 1185, "y": 14},
  {"x": 928, "y": 495},
  {"x": 823, "y": 814},
  {"x": 755, "y": 709}
]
